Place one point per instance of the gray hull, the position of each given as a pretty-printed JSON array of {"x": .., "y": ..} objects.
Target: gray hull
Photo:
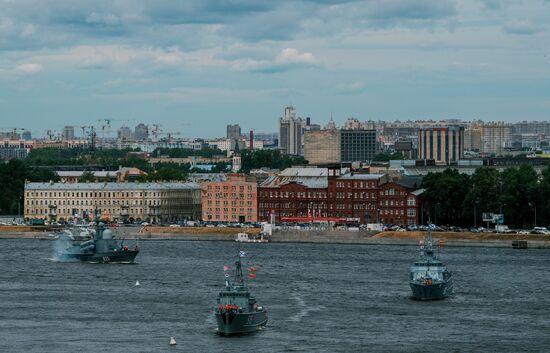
[
  {"x": 106, "y": 257},
  {"x": 240, "y": 323},
  {"x": 433, "y": 291}
]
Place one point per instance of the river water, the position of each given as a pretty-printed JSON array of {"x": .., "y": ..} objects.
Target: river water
[{"x": 320, "y": 297}]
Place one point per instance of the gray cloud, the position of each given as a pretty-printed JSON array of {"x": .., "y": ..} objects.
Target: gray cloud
[{"x": 520, "y": 27}]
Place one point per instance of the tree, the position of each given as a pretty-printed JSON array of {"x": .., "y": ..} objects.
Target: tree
[
  {"x": 520, "y": 195},
  {"x": 388, "y": 156},
  {"x": 445, "y": 196},
  {"x": 87, "y": 177},
  {"x": 485, "y": 193}
]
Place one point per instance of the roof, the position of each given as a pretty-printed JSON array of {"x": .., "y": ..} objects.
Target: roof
[
  {"x": 361, "y": 176},
  {"x": 276, "y": 181},
  {"x": 305, "y": 172},
  {"x": 79, "y": 173},
  {"x": 411, "y": 182},
  {"x": 418, "y": 192},
  {"x": 112, "y": 186}
]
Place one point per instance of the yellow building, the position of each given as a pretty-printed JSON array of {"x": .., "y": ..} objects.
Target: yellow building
[{"x": 152, "y": 202}]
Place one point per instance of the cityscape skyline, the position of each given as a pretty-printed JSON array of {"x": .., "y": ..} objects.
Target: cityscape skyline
[{"x": 178, "y": 63}]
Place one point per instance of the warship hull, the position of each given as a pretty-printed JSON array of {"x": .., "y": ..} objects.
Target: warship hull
[
  {"x": 240, "y": 323},
  {"x": 105, "y": 257},
  {"x": 432, "y": 291}
]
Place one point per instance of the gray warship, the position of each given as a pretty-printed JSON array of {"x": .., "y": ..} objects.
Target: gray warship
[
  {"x": 237, "y": 311},
  {"x": 429, "y": 278},
  {"x": 97, "y": 245}
]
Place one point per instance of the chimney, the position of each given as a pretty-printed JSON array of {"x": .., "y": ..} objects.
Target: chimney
[{"x": 251, "y": 140}]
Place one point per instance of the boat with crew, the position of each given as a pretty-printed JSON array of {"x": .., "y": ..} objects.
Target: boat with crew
[
  {"x": 95, "y": 244},
  {"x": 237, "y": 311},
  {"x": 429, "y": 277}
]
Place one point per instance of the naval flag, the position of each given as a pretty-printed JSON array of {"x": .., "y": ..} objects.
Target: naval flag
[{"x": 241, "y": 253}]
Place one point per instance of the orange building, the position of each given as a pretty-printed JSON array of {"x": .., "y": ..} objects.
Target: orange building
[{"x": 230, "y": 199}]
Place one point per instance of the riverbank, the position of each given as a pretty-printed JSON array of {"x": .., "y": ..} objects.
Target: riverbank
[{"x": 464, "y": 239}]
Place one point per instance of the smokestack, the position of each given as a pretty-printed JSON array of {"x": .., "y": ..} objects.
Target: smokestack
[{"x": 251, "y": 140}]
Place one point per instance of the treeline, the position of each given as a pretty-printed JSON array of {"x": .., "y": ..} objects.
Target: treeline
[
  {"x": 519, "y": 193},
  {"x": 206, "y": 152},
  {"x": 268, "y": 158},
  {"x": 107, "y": 157},
  {"x": 12, "y": 183}
]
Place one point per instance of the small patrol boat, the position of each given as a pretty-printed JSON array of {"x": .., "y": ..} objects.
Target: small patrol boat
[
  {"x": 247, "y": 238},
  {"x": 237, "y": 311},
  {"x": 96, "y": 245},
  {"x": 429, "y": 277}
]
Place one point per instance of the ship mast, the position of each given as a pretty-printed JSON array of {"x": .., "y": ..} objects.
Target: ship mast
[{"x": 239, "y": 278}]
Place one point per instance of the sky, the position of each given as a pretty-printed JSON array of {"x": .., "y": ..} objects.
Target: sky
[{"x": 195, "y": 66}]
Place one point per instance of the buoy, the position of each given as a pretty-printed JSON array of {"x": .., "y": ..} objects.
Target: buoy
[
  {"x": 137, "y": 283},
  {"x": 172, "y": 341}
]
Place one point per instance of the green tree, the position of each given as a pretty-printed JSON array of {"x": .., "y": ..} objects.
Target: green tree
[
  {"x": 388, "y": 156},
  {"x": 87, "y": 177},
  {"x": 484, "y": 195},
  {"x": 520, "y": 195},
  {"x": 445, "y": 196}
]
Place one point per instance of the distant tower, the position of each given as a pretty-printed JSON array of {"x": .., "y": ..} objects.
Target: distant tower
[
  {"x": 251, "y": 147},
  {"x": 236, "y": 158}
]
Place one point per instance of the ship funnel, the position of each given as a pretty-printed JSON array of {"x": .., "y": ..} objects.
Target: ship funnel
[{"x": 172, "y": 341}]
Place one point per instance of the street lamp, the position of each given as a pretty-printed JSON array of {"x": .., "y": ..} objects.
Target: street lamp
[
  {"x": 19, "y": 209},
  {"x": 534, "y": 205},
  {"x": 475, "y": 212},
  {"x": 435, "y": 215}
]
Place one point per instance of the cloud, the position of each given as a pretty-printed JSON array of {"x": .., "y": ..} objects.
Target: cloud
[
  {"x": 29, "y": 68},
  {"x": 287, "y": 59},
  {"x": 350, "y": 88},
  {"x": 520, "y": 27},
  {"x": 103, "y": 56},
  {"x": 410, "y": 9},
  {"x": 103, "y": 19}
]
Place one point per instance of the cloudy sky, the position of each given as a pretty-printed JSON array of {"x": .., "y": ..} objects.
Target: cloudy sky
[{"x": 196, "y": 65}]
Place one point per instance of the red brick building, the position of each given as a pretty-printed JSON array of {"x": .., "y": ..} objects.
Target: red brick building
[
  {"x": 314, "y": 193},
  {"x": 295, "y": 192},
  {"x": 354, "y": 196},
  {"x": 400, "y": 203}
]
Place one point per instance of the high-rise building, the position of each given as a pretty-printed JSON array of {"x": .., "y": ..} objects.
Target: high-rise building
[
  {"x": 124, "y": 133},
  {"x": 141, "y": 132},
  {"x": 472, "y": 136},
  {"x": 495, "y": 138},
  {"x": 357, "y": 145},
  {"x": 290, "y": 132},
  {"x": 233, "y": 132},
  {"x": 442, "y": 144},
  {"x": 68, "y": 133},
  {"x": 26, "y": 135},
  {"x": 322, "y": 146}
]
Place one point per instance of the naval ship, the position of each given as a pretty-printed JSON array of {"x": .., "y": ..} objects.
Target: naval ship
[
  {"x": 237, "y": 311},
  {"x": 97, "y": 245},
  {"x": 429, "y": 278}
]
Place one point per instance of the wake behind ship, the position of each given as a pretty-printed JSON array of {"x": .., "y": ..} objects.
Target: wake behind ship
[{"x": 100, "y": 246}]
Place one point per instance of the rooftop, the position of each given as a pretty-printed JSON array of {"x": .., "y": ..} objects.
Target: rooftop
[{"x": 112, "y": 186}]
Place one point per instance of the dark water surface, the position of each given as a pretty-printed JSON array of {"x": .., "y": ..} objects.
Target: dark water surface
[{"x": 321, "y": 298}]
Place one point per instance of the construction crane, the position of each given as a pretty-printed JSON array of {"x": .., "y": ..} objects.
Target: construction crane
[
  {"x": 12, "y": 132},
  {"x": 89, "y": 133},
  {"x": 155, "y": 131},
  {"x": 169, "y": 135}
]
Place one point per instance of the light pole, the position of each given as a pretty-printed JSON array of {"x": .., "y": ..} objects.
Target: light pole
[
  {"x": 475, "y": 213},
  {"x": 435, "y": 215},
  {"x": 534, "y": 205},
  {"x": 19, "y": 210}
]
